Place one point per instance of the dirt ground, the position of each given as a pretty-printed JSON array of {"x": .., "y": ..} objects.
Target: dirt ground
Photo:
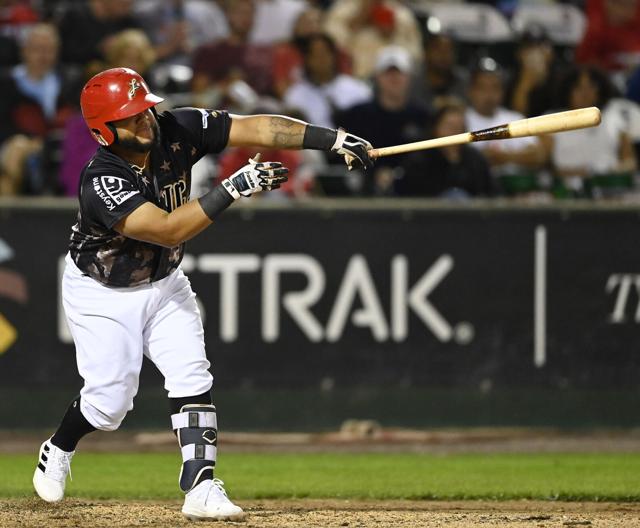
[
  {"x": 78, "y": 513},
  {"x": 24, "y": 513}
]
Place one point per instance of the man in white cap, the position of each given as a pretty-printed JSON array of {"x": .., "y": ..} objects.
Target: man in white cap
[{"x": 391, "y": 117}]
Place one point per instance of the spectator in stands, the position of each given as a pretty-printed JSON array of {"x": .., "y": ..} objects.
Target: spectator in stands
[
  {"x": 17, "y": 13},
  {"x": 364, "y": 27},
  {"x": 391, "y": 117},
  {"x": 532, "y": 90},
  {"x": 36, "y": 100},
  {"x": 323, "y": 89},
  {"x": 287, "y": 57},
  {"x": 16, "y": 17},
  {"x": 457, "y": 172},
  {"x": 633, "y": 86},
  {"x": 612, "y": 39},
  {"x": 177, "y": 27},
  {"x": 602, "y": 156},
  {"x": 130, "y": 48},
  {"x": 440, "y": 78},
  {"x": 86, "y": 27},
  {"x": 275, "y": 20},
  {"x": 515, "y": 162},
  {"x": 234, "y": 61}
]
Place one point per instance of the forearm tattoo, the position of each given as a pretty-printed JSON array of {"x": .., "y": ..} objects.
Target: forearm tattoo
[{"x": 286, "y": 132}]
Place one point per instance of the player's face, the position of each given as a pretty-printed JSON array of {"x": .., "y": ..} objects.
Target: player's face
[{"x": 139, "y": 132}]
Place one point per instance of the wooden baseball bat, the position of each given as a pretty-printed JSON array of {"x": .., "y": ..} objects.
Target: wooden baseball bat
[{"x": 534, "y": 126}]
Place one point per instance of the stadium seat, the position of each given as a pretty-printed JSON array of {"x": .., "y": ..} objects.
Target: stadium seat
[
  {"x": 478, "y": 23},
  {"x": 565, "y": 24},
  {"x": 610, "y": 184}
]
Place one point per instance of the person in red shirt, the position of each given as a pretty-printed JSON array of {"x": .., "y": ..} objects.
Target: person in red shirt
[
  {"x": 612, "y": 39},
  {"x": 217, "y": 66}
]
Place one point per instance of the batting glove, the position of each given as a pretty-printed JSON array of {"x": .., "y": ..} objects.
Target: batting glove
[
  {"x": 354, "y": 149},
  {"x": 255, "y": 177}
]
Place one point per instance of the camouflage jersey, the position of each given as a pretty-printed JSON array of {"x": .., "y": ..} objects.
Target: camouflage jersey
[{"x": 110, "y": 189}]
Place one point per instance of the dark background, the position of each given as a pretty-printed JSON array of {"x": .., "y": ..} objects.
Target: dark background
[{"x": 589, "y": 379}]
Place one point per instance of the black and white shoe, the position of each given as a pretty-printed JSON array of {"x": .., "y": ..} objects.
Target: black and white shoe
[{"x": 51, "y": 473}]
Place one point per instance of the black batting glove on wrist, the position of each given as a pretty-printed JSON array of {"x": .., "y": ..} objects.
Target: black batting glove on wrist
[{"x": 354, "y": 149}]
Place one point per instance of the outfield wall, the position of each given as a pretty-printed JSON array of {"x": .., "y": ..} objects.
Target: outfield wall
[{"x": 410, "y": 312}]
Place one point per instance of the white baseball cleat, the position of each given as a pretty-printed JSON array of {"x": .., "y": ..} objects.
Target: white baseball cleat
[
  {"x": 51, "y": 473},
  {"x": 209, "y": 501}
]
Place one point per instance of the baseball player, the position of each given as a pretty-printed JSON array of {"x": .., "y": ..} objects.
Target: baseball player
[{"x": 123, "y": 291}]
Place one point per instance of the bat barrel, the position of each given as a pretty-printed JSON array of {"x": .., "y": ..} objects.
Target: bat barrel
[
  {"x": 534, "y": 126},
  {"x": 558, "y": 122}
]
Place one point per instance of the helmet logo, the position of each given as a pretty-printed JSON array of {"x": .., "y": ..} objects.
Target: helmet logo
[{"x": 134, "y": 86}]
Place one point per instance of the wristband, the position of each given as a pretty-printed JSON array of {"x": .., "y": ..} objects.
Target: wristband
[
  {"x": 319, "y": 138},
  {"x": 215, "y": 201}
]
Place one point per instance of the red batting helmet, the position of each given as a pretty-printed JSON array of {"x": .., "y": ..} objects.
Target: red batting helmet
[{"x": 111, "y": 95}]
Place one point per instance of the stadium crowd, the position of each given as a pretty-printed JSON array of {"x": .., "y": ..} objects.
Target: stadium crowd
[{"x": 390, "y": 71}]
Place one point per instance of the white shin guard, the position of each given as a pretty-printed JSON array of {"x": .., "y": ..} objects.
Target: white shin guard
[{"x": 197, "y": 429}]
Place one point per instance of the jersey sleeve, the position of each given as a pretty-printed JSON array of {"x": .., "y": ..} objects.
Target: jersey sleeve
[
  {"x": 106, "y": 199},
  {"x": 207, "y": 129}
]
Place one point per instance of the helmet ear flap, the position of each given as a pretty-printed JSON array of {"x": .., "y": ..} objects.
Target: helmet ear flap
[
  {"x": 113, "y": 131},
  {"x": 97, "y": 135},
  {"x": 100, "y": 137}
]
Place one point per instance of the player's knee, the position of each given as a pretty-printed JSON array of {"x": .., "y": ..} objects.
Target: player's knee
[
  {"x": 197, "y": 381},
  {"x": 106, "y": 414}
]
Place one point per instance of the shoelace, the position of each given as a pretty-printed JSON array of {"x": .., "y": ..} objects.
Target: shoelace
[
  {"x": 217, "y": 483},
  {"x": 59, "y": 466}
]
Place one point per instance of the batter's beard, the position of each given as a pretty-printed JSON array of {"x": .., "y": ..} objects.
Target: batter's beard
[{"x": 135, "y": 145}]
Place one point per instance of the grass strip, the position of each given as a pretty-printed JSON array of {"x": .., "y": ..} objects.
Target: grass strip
[{"x": 588, "y": 477}]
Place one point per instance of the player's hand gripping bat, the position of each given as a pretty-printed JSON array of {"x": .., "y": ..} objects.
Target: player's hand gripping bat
[{"x": 534, "y": 126}]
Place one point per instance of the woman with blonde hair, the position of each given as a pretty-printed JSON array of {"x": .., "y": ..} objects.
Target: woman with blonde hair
[{"x": 130, "y": 48}]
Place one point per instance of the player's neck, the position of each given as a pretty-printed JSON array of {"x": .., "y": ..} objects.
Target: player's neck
[{"x": 130, "y": 156}]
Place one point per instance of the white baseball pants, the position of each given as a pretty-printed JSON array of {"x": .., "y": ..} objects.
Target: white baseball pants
[{"x": 114, "y": 327}]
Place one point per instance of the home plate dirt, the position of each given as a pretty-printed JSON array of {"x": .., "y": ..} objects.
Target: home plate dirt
[{"x": 76, "y": 513}]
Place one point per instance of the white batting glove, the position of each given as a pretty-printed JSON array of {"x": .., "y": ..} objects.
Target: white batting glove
[
  {"x": 255, "y": 177},
  {"x": 354, "y": 149}
]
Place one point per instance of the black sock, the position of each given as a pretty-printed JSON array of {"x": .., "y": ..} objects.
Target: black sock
[
  {"x": 72, "y": 428},
  {"x": 175, "y": 404}
]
